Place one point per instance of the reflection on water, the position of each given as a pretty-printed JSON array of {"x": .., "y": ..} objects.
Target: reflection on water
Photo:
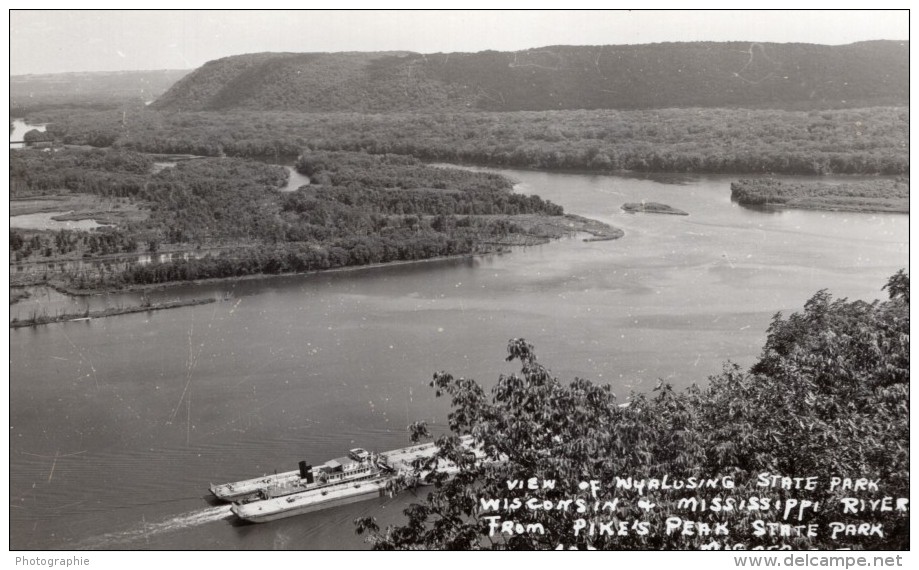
[
  {"x": 295, "y": 180},
  {"x": 45, "y": 221},
  {"x": 135, "y": 415}
]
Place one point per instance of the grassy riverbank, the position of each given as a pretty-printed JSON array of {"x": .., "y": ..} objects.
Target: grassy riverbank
[
  {"x": 36, "y": 320},
  {"x": 859, "y": 196},
  {"x": 536, "y": 230}
]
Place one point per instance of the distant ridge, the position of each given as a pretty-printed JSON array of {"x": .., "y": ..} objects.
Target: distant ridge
[
  {"x": 697, "y": 74},
  {"x": 91, "y": 89}
]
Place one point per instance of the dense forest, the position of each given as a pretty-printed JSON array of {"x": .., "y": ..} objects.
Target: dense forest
[
  {"x": 828, "y": 397},
  {"x": 214, "y": 197},
  {"x": 362, "y": 209},
  {"x": 697, "y": 74},
  {"x": 860, "y": 195},
  {"x": 848, "y": 141}
]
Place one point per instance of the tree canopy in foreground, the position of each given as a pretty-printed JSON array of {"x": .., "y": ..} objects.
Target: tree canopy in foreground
[{"x": 822, "y": 417}]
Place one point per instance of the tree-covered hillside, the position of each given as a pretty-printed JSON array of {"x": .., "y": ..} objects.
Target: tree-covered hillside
[{"x": 698, "y": 74}]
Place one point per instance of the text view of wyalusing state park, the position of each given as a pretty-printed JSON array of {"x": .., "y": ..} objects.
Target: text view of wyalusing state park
[{"x": 651, "y": 296}]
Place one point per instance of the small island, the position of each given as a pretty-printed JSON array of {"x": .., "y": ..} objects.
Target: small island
[
  {"x": 652, "y": 208},
  {"x": 875, "y": 195}
]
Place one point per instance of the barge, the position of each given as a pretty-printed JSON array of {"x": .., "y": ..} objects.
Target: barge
[
  {"x": 311, "y": 500},
  {"x": 358, "y": 465},
  {"x": 359, "y": 476}
]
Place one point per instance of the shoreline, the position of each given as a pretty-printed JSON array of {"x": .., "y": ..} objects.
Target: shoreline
[
  {"x": 111, "y": 312},
  {"x": 565, "y": 226},
  {"x": 213, "y": 280},
  {"x": 663, "y": 176},
  {"x": 777, "y": 206}
]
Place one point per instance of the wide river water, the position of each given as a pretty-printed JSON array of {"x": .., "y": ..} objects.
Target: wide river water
[{"x": 118, "y": 425}]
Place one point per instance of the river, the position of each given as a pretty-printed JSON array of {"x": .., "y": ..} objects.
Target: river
[
  {"x": 20, "y": 128},
  {"x": 118, "y": 425}
]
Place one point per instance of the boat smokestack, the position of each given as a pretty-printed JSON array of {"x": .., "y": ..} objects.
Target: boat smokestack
[{"x": 306, "y": 472}]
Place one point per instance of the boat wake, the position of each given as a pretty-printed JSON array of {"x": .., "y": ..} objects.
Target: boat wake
[{"x": 146, "y": 530}]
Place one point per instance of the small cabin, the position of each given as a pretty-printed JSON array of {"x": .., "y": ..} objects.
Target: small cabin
[
  {"x": 359, "y": 454},
  {"x": 355, "y": 466}
]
